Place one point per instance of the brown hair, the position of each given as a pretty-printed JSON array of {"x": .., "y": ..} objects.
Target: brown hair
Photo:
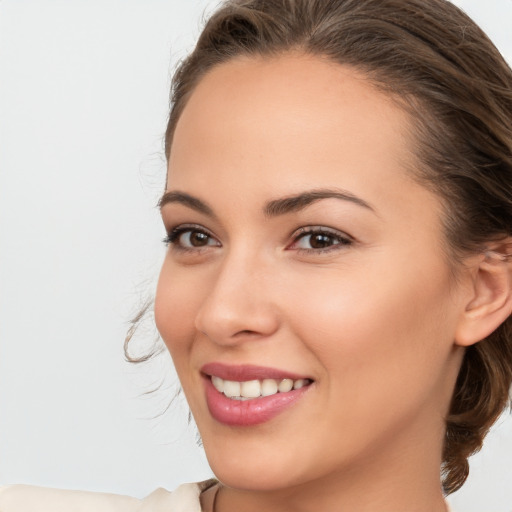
[{"x": 444, "y": 70}]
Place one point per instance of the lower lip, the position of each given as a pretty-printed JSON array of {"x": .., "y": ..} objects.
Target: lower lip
[{"x": 245, "y": 413}]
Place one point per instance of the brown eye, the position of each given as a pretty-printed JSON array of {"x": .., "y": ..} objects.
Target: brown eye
[
  {"x": 319, "y": 239},
  {"x": 191, "y": 238},
  {"x": 195, "y": 239}
]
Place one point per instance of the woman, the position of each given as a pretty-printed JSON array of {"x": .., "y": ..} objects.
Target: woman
[{"x": 336, "y": 295}]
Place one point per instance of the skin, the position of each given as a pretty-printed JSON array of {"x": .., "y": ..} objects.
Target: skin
[{"x": 373, "y": 321}]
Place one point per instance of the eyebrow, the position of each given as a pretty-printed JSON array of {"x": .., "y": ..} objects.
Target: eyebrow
[
  {"x": 300, "y": 201},
  {"x": 273, "y": 208},
  {"x": 187, "y": 200}
]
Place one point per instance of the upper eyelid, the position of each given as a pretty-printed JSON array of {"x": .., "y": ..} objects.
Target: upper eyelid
[
  {"x": 307, "y": 230},
  {"x": 186, "y": 226},
  {"x": 175, "y": 231}
]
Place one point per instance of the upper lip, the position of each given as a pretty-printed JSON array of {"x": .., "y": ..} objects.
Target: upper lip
[{"x": 246, "y": 372}]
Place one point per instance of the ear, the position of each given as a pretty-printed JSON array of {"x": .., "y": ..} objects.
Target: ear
[{"x": 491, "y": 301}]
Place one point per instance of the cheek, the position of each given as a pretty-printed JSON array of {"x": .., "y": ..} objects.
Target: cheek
[
  {"x": 369, "y": 327},
  {"x": 176, "y": 303}
]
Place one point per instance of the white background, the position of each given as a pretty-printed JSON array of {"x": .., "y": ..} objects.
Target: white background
[{"x": 83, "y": 105}]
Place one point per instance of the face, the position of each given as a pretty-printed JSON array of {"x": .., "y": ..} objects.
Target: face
[{"x": 302, "y": 253}]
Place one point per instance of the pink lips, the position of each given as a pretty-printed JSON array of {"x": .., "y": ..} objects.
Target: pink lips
[{"x": 249, "y": 412}]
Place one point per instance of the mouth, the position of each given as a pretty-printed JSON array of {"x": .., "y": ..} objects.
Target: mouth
[{"x": 250, "y": 395}]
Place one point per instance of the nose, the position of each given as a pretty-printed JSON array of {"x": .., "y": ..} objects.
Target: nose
[{"x": 238, "y": 304}]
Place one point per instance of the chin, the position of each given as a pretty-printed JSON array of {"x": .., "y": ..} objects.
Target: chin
[
  {"x": 255, "y": 478},
  {"x": 252, "y": 466}
]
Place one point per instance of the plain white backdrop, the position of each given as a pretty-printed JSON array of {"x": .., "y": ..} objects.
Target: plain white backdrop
[{"x": 83, "y": 106}]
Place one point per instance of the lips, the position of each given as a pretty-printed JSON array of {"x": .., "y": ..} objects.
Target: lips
[
  {"x": 250, "y": 395},
  {"x": 241, "y": 373}
]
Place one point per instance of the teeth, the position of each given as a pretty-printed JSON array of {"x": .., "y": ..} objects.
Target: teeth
[
  {"x": 256, "y": 388},
  {"x": 231, "y": 388},
  {"x": 299, "y": 383},
  {"x": 268, "y": 387},
  {"x": 251, "y": 389},
  {"x": 285, "y": 385},
  {"x": 218, "y": 383}
]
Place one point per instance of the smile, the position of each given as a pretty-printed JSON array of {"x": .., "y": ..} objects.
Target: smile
[
  {"x": 253, "y": 389},
  {"x": 243, "y": 396}
]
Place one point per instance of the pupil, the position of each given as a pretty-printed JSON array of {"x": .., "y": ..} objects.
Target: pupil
[
  {"x": 320, "y": 241},
  {"x": 198, "y": 239}
]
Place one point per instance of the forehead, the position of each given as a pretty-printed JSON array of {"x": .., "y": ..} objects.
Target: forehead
[
  {"x": 279, "y": 125},
  {"x": 259, "y": 108}
]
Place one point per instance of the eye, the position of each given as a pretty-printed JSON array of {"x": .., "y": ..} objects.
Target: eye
[
  {"x": 190, "y": 238},
  {"x": 319, "y": 239}
]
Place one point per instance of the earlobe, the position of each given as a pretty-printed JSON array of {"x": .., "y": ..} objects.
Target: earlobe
[{"x": 491, "y": 303}]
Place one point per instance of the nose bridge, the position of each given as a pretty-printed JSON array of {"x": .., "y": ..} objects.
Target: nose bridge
[{"x": 239, "y": 301}]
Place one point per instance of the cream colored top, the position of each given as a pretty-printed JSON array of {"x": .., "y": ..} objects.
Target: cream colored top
[{"x": 27, "y": 498}]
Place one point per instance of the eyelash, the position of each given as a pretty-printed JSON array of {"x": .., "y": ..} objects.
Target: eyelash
[
  {"x": 339, "y": 239},
  {"x": 174, "y": 235}
]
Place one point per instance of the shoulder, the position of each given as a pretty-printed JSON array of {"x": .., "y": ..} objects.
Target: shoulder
[
  {"x": 25, "y": 498},
  {"x": 21, "y": 498}
]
